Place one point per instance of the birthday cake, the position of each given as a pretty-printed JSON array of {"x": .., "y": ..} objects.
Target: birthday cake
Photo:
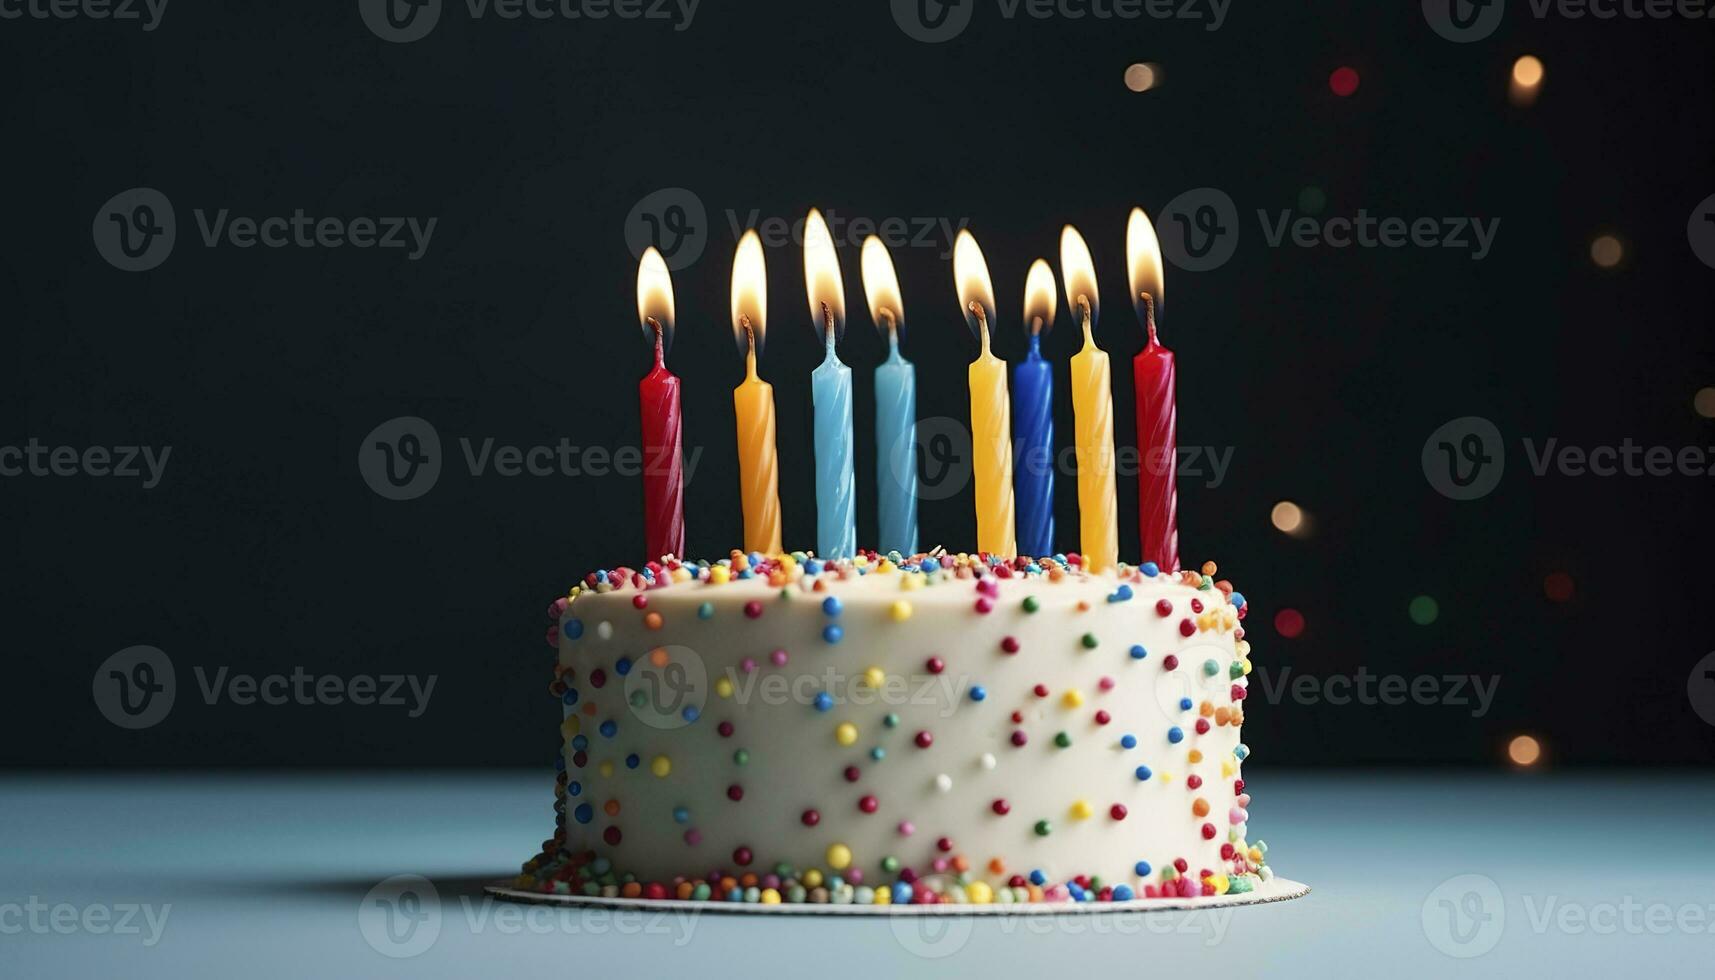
[{"x": 884, "y": 729}]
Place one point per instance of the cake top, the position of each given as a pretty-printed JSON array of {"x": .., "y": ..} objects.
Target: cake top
[{"x": 871, "y": 571}]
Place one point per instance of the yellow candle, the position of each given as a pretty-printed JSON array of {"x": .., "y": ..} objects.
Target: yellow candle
[
  {"x": 1093, "y": 411},
  {"x": 753, "y": 404},
  {"x": 991, "y": 411}
]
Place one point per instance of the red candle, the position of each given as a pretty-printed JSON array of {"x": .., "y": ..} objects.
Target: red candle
[
  {"x": 658, "y": 401},
  {"x": 1157, "y": 484},
  {"x": 1157, "y": 406}
]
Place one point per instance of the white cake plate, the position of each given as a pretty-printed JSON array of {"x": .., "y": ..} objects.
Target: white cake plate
[{"x": 1277, "y": 890}]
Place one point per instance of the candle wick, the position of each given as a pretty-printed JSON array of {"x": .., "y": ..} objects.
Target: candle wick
[
  {"x": 749, "y": 344},
  {"x": 828, "y": 324},
  {"x": 660, "y": 340},
  {"x": 1036, "y": 325},
  {"x": 892, "y": 325},
  {"x": 982, "y": 324},
  {"x": 1149, "y": 316},
  {"x": 1084, "y": 316}
]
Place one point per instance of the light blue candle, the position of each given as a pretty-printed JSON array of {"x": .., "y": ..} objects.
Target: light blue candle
[
  {"x": 896, "y": 448},
  {"x": 836, "y": 497}
]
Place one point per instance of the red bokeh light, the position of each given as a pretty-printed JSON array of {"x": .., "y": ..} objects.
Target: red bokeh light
[
  {"x": 1289, "y": 623},
  {"x": 1344, "y": 81}
]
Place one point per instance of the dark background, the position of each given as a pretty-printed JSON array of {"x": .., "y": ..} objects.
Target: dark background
[{"x": 1325, "y": 370}]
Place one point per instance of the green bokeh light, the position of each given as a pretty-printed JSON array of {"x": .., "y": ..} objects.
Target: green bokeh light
[{"x": 1423, "y": 610}]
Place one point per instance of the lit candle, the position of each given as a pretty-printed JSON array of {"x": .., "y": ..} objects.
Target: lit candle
[
  {"x": 991, "y": 422},
  {"x": 658, "y": 399},
  {"x": 1033, "y": 420},
  {"x": 1093, "y": 411},
  {"x": 895, "y": 407},
  {"x": 1157, "y": 414},
  {"x": 831, "y": 394},
  {"x": 753, "y": 403}
]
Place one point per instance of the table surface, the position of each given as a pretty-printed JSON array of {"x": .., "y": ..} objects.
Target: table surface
[{"x": 228, "y": 875}]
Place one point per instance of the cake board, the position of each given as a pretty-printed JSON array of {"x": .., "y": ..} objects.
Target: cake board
[{"x": 1276, "y": 890}]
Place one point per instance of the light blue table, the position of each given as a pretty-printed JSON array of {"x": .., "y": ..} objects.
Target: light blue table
[{"x": 272, "y": 876}]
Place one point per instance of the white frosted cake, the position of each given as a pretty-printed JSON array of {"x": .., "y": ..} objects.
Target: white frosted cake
[{"x": 932, "y": 729}]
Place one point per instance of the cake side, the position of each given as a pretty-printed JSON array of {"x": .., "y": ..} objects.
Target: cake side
[{"x": 937, "y": 728}]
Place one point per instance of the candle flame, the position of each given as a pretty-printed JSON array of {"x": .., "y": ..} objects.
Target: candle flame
[
  {"x": 1079, "y": 271},
  {"x": 1143, "y": 263},
  {"x": 881, "y": 287},
  {"x": 655, "y": 296},
  {"x": 971, "y": 278},
  {"x": 749, "y": 290},
  {"x": 1039, "y": 301},
  {"x": 822, "y": 282}
]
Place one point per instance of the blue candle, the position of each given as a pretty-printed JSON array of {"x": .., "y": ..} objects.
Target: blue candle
[
  {"x": 896, "y": 445},
  {"x": 895, "y": 407},
  {"x": 836, "y": 497},
  {"x": 1033, "y": 421},
  {"x": 831, "y": 392}
]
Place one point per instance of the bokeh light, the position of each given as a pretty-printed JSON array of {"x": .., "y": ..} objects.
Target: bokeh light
[
  {"x": 1142, "y": 76},
  {"x": 1527, "y": 71},
  {"x": 1423, "y": 610},
  {"x": 1524, "y": 750},
  {"x": 1557, "y": 586},
  {"x": 1289, "y": 623},
  {"x": 1344, "y": 81},
  {"x": 1606, "y": 251},
  {"x": 1312, "y": 199},
  {"x": 1526, "y": 83},
  {"x": 1287, "y": 517},
  {"x": 1704, "y": 402}
]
